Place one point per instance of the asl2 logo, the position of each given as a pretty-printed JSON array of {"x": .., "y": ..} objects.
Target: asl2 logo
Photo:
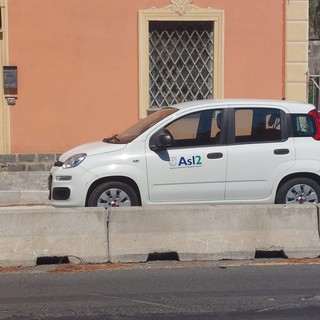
[{"x": 194, "y": 161}]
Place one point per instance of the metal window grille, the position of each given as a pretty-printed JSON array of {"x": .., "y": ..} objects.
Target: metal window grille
[{"x": 180, "y": 62}]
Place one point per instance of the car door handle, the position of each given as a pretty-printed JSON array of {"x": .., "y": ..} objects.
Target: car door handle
[
  {"x": 281, "y": 151},
  {"x": 214, "y": 155}
]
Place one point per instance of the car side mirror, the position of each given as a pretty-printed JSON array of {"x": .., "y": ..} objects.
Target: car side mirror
[{"x": 162, "y": 141}]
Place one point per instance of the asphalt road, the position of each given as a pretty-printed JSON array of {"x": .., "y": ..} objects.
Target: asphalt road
[{"x": 164, "y": 290}]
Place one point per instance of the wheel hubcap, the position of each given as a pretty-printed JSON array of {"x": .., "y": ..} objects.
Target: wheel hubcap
[
  {"x": 301, "y": 193},
  {"x": 114, "y": 198}
]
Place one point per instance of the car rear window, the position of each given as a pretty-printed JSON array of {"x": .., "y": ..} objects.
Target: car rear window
[
  {"x": 303, "y": 125},
  {"x": 257, "y": 125}
]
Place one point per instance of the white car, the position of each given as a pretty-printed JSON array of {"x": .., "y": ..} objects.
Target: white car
[{"x": 201, "y": 152}]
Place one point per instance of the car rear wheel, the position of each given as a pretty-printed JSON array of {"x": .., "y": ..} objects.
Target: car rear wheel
[
  {"x": 113, "y": 194},
  {"x": 299, "y": 191}
]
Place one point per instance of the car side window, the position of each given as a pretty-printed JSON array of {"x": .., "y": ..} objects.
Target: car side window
[
  {"x": 303, "y": 125},
  {"x": 257, "y": 125},
  {"x": 196, "y": 129}
]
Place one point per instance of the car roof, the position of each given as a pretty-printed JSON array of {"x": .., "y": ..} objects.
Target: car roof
[{"x": 292, "y": 107}]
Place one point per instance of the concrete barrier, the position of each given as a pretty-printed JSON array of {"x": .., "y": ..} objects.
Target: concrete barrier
[
  {"x": 193, "y": 232},
  {"x": 29, "y": 233},
  {"x": 213, "y": 232}
]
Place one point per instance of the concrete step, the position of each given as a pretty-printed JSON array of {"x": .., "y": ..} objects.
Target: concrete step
[{"x": 24, "y": 187}]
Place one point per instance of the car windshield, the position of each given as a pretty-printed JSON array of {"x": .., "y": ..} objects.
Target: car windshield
[{"x": 140, "y": 127}]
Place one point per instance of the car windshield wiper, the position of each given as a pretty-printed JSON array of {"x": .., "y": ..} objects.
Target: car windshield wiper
[{"x": 110, "y": 139}]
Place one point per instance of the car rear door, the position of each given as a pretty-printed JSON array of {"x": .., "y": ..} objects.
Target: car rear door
[{"x": 259, "y": 152}]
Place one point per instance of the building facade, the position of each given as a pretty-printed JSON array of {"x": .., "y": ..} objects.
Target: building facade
[{"x": 88, "y": 69}]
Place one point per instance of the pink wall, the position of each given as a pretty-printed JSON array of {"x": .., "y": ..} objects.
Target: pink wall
[{"x": 78, "y": 65}]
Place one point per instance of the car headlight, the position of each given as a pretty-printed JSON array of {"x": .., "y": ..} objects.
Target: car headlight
[{"x": 74, "y": 160}]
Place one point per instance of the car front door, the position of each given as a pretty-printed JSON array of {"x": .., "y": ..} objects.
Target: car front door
[
  {"x": 193, "y": 168},
  {"x": 258, "y": 154}
]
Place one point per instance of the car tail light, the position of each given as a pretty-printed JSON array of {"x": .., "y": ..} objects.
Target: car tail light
[{"x": 315, "y": 115}]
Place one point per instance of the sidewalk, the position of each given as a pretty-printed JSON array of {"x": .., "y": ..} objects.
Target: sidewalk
[{"x": 25, "y": 187}]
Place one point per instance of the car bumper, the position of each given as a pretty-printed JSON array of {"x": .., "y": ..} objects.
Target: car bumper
[{"x": 69, "y": 187}]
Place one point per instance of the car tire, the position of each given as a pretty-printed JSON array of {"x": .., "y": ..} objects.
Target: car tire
[
  {"x": 298, "y": 191},
  {"x": 113, "y": 194}
]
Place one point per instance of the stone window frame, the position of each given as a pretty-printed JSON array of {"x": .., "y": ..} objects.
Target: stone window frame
[
  {"x": 296, "y": 50},
  {"x": 182, "y": 12},
  {"x": 4, "y": 58}
]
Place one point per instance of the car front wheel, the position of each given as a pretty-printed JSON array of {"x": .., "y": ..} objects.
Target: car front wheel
[
  {"x": 299, "y": 191},
  {"x": 113, "y": 194}
]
